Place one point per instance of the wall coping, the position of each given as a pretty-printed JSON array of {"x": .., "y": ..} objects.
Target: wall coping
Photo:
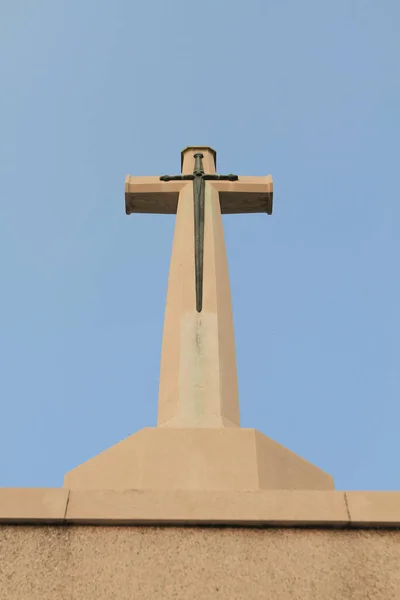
[{"x": 297, "y": 508}]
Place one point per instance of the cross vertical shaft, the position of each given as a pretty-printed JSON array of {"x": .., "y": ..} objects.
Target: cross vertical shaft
[{"x": 198, "y": 379}]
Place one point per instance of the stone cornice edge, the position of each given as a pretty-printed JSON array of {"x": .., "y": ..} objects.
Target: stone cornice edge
[{"x": 272, "y": 508}]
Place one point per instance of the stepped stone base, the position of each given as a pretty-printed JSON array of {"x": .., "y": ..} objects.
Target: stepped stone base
[{"x": 198, "y": 459}]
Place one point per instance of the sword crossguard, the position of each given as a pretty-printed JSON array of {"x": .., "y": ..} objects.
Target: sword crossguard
[
  {"x": 176, "y": 177},
  {"x": 200, "y": 173},
  {"x": 215, "y": 177}
]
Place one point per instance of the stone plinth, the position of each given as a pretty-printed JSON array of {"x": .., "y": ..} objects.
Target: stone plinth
[{"x": 198, "y": 459}]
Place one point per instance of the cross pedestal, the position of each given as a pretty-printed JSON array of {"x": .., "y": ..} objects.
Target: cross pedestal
[{"x": 198, "y": 442}]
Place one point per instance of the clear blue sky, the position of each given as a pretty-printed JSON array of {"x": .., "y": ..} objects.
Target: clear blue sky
[{"x": 307, "y": 91}]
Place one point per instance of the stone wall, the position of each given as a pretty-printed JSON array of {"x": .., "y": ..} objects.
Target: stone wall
[
  {"x": 60, "y": 544},
  {"x": 75, "y": 562}
]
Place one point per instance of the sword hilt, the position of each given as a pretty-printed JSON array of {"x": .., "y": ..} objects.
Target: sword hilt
[{"x": 198, "y": 164}]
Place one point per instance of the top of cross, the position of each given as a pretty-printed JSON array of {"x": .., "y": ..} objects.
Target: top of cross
[{"x": 192, "y": 149}]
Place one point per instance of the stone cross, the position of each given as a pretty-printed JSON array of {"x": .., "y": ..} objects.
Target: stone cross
[
  {"x": 198, "y": 377},
  {"x": 198, "y": 444}
]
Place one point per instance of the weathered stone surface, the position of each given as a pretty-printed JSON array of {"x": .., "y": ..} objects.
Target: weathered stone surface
[
  {"x": 33, "y": 504},
  {"x": 121, "y": 563},
  {"x": 377, "y": 508},
  {"x": 198, "y": 459},
  {"x": 277, "y": 508}
]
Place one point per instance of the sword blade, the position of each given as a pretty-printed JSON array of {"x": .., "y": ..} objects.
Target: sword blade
[{"x": 198, "y": 189}]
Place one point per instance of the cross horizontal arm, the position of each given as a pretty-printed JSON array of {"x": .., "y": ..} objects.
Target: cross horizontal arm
[
  {"x": 150, "y": 195},
  {"x": 246, "y": 195}
]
